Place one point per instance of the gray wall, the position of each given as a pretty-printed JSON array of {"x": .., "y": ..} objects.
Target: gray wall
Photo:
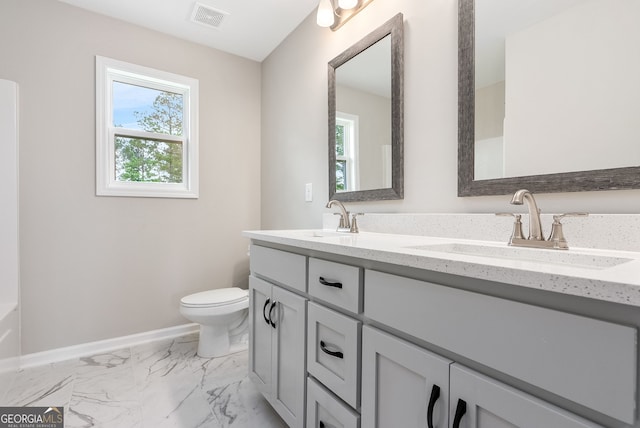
[
  {"x": 294, "y": 97},
  {"x": 99, "y": 267}
]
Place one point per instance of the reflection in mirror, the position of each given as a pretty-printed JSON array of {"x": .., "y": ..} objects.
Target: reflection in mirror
[
  {"x": 545, "y": 62},
  {"x": 548, "y": 95},
  {"x": 365, "y": 118}
]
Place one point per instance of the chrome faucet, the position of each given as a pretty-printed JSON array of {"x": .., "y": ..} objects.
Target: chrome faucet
[
  {"x": 535, "y": 226},
  {"x": 344, "y": 225},
  {"x": 535, "y": 239}
]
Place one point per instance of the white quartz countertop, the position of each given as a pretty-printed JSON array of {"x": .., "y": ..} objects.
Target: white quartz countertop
[{"x": 606, "y": 275}]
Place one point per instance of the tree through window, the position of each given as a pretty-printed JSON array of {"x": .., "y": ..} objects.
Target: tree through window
[{"x": 151, "y": 160}]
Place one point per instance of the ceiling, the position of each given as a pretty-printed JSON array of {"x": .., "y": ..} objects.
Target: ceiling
[{"x": 253, "y": 28}]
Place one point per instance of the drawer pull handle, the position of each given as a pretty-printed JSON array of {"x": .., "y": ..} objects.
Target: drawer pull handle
[
  {"x": 461, "y": 409},
  {"x": 327, "y": 351},
  {"x": 264, "y": 308},
  {"x": 329, "y": 284},
  {"x": 435, "y": 394},
  {"x": 273, "y": 305}
]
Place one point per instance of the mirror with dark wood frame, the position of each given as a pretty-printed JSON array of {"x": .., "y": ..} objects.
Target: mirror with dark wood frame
[
  {"x": 365, "y": 126},
  {"x": 584, "y": 71}
]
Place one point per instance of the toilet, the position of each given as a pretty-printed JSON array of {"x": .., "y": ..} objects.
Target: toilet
[{"x": 222, "y": 315}]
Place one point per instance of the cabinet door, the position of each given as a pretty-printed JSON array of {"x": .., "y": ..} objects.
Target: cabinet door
[
  {"x": 288, "y": 356},
  {"x": 402, "y": 385},
  {"x": 260, "y": 334},
  {"x": 482, "y": 402}
]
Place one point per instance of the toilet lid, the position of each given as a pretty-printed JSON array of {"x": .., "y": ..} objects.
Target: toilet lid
[{"x": 219, "y": 297}]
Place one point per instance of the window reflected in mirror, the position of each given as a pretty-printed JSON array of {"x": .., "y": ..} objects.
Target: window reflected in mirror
[{"x": 347, "y": 159}]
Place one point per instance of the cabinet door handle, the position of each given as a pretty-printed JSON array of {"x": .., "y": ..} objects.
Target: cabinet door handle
[
  {"x": 435, "y": 394},
  {"x": 336, "y": 354},
  {"x": 264, "y": 308},
  {"x": 329, "y": 284},
  {"x": 461, "y": 409},
  {"x": 273, "y": 305}
]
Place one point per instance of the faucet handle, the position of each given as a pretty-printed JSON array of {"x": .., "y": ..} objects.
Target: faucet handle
[
  {"x": 557, "y": 235},
  {"x": 558, "y": 217},
  {"x": 354, "y": 223},
  {"x": 343, "y": 221},
  {"x": 517, "y": 225}
]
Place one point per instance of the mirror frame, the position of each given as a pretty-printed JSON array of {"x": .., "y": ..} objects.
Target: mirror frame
[
  {"x": 601, "y": 179},
  {"x": 395, "y": 28}
]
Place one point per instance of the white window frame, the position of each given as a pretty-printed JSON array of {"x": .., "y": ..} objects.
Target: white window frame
[
  {"x": 351, "y": 143},
  {"x": 109, "y": 70}
]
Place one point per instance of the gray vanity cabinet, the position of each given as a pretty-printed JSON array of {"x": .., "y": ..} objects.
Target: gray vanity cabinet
[
  {"x": 277, "y": 348},
  {"x": 482, "y": 402},
  {"x": 402, "y": 385},
  {"x": 345, "y": 345}
]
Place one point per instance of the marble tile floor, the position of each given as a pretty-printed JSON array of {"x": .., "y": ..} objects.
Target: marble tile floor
[{"x": 158, "y": 384}]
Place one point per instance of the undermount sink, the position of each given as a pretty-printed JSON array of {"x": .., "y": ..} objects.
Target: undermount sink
[
  {"x": 324, "y": 233},
  {"x": 567, "y": 258}
]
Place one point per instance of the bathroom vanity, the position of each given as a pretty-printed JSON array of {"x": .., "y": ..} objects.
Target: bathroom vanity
[{"x": 383, "y": 330}]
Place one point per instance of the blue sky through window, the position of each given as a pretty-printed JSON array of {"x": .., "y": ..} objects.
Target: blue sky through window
[{"x": 128, "y": 99}]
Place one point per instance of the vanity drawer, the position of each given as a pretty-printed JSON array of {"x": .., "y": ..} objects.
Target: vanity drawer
[
  {"x": 333, "y": 351},
  {"x": 324, "y": 408},
  {"x": 280, "y": 266},
  {"x": 336, "y": 283},
  {"x": 588, "y": 361}
]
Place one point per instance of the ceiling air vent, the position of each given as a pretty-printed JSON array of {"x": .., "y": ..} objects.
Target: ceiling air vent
[{"x": 206, "y": 15}]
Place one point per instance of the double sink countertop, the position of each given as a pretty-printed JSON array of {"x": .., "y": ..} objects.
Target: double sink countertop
[{"x": 606, "y": 275}]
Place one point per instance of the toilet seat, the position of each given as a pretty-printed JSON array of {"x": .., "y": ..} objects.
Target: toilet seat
[{"x": 215, "y": 298}]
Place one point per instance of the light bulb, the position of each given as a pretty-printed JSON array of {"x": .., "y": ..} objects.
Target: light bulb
[
  {"x": 347, "y": 4},
  {"x": 324, "y": 18}
]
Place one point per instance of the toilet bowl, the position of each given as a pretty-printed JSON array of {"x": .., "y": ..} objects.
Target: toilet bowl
[{"x": 219, "y": 313}]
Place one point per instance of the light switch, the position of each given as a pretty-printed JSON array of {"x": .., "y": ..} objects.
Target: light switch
[{"x": 308, "y": 192}]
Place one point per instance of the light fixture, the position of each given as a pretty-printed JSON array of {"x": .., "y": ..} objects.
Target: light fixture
[
  {"x": 324, "y": 18},
  {"x": 334, "y": 13},
  {"x": 347, "y": 4}
]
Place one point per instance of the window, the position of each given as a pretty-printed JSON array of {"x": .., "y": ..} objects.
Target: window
[
  {"x": 347, "y": 176},
  {"x": 146, "y": 132}
]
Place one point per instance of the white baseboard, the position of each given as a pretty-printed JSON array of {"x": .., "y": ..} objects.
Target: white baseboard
[{"x": 92, "y": 348}]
